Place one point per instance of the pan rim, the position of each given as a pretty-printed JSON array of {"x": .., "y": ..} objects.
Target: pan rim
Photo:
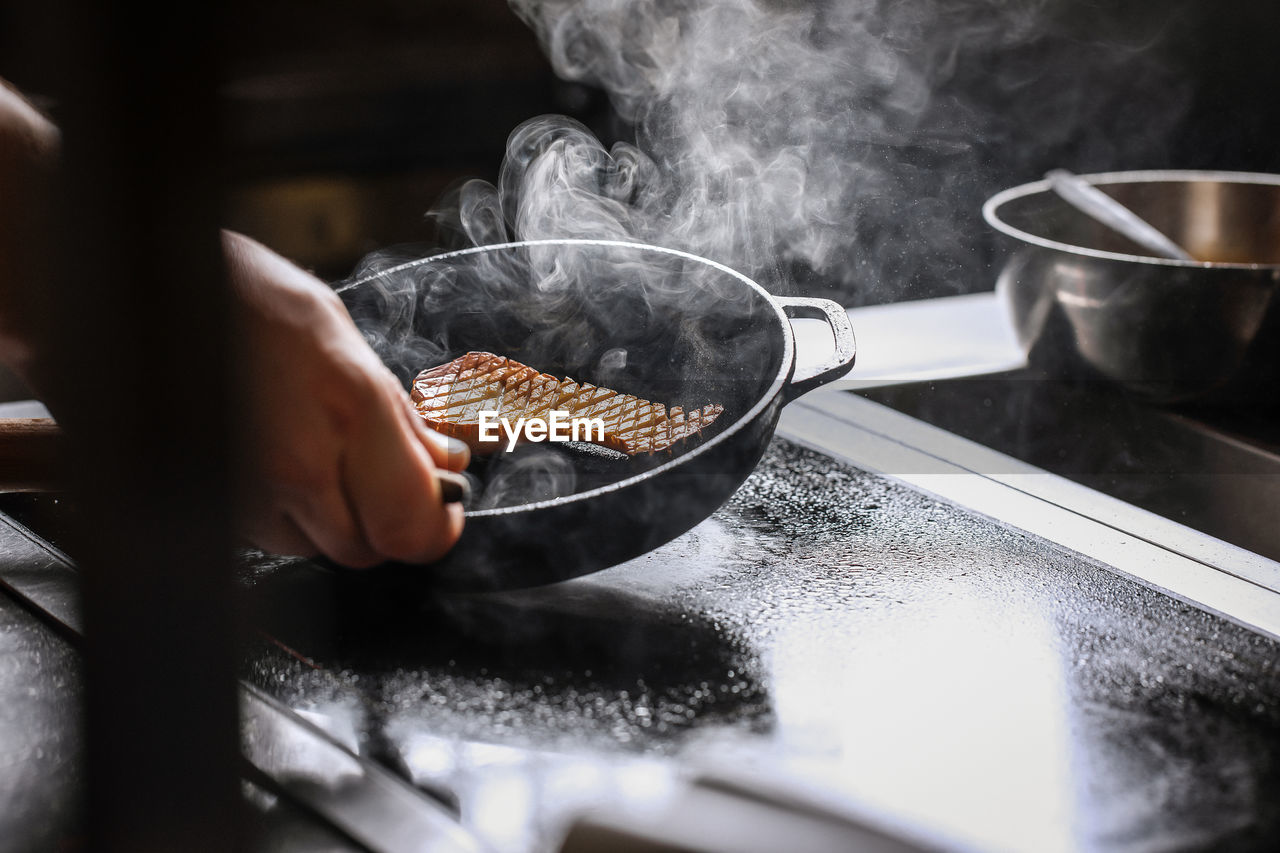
[
  {"x": 775, "y": 387},
  {"x": 990, "y": 213}
]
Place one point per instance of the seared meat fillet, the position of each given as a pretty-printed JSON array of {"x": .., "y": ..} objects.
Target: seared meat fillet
[{"x": 451, "y": 397}]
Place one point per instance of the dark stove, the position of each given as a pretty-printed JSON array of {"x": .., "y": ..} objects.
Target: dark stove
[
  {"x": 1216, "y": 469},
  {"x": 885, "y": 625}
]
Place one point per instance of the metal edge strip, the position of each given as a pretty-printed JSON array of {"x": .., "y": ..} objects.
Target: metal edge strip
[{"x": 1190, "y": 566}]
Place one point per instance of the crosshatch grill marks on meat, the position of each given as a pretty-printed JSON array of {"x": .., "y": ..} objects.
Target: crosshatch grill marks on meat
[{"x": 451, "y": 397}]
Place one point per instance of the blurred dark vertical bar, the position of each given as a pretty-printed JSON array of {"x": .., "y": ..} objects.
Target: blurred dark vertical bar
[{"x": 143, "y": 390}]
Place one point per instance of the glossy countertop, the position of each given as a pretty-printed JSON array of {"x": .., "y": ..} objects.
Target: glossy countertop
[{"x": 932, "y": 667}]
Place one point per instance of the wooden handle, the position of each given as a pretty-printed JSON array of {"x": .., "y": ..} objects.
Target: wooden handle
[
  {"x": 30, "y": 460},
  {"x": 30, "y": 454}
]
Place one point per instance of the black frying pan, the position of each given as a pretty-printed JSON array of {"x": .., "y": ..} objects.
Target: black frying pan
[{"x": 661, "y": 324}]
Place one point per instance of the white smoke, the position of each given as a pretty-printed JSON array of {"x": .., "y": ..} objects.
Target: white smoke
[{"x": 846, "y": 144}]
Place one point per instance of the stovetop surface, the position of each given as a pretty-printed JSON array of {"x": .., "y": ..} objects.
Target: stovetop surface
[
  {"x": 1213, "y": 468},
  {"x": 924, "y": 662}
]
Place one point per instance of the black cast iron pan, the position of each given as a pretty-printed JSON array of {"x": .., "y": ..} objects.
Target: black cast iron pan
[{"x": 661, "y": 324}]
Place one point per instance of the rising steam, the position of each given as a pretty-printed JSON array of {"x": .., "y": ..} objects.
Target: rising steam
[
  {"x": 842, "y": 146},
  {"x": 839, "y": 147}
]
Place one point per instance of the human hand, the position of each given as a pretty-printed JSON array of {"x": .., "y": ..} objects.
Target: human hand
[
  {"x": 338, "y": 463},
  {"x": 29, "y": 146}
]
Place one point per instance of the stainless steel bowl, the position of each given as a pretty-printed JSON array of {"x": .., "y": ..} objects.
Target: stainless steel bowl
[{"x": 1172, "y": 331}]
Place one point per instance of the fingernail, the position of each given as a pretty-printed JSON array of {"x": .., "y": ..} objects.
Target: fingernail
[
  {"x": 455, "y": 448},
  {"x": 459, "y": 450}
]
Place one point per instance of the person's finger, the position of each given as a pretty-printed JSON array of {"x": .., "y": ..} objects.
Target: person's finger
[
  {"x": 326, "y": 518},
  {"x": 400, "y": 509},
  {"x": 445, "y": 451},
  {"x": 390, "y": 482}
]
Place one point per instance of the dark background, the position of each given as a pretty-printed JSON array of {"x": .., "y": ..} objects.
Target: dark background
[{"x": 345, "y": 123}]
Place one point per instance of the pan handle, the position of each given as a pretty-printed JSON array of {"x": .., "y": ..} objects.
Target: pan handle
[{"x": 845, "y": 349}]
